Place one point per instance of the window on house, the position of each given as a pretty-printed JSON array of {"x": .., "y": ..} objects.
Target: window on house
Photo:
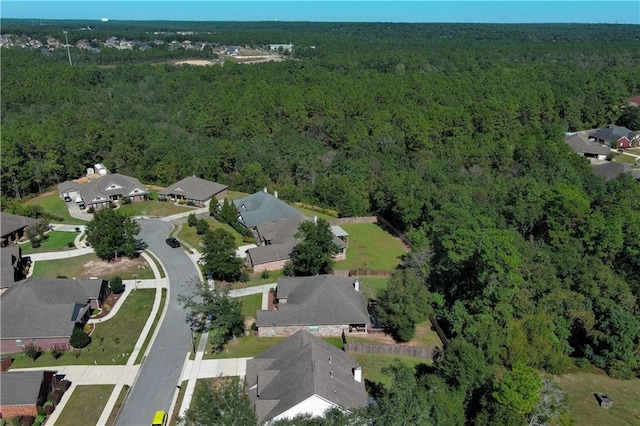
[
  {"x": 18, "y": 342},
  {"x": 314, "y": 329}
]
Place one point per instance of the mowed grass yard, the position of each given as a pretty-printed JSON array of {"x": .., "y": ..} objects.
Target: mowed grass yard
[
  {"x": 371, "y": 247},
  {"x": 89, "y": 265},
  {"x": 584, "y": 408},
  {"x": 251, "y": 304},
  {"x": 85, "y": 405},
  {"x": 373, "y": 364},
  {"x": 250, "y": 346},
  {"x": 54, "y": 205},
  {"x": 153, "y": 208},
  {"x": 109, "y": 340},
  {"x": 54, "y": 241},
  {"x": 189, "y": 235}
]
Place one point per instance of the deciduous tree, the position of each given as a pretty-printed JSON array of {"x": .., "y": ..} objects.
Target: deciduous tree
[
  {"x": 219, "y": 256},
  {"x": 314, "y": 253},
  {"x": 112, "y": 234}
]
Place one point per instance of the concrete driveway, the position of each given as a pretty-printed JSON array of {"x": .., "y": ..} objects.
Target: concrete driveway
[{"x": 161, "y": 370}]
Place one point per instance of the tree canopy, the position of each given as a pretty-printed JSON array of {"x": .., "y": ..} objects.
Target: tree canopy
[
  {"x": 219, "y": 256},
  {"x": 112, "y": 234},
  {"x": 313, "y": 255}
]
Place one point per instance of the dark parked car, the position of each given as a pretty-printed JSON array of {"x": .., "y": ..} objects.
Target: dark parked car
[
  {"x": 67, "y": 199},
  {"x": 172, "y": 242},
  {"x": 82, "y": 207}
]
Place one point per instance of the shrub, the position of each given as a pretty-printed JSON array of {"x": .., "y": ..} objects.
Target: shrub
[
  {"x": 91, "y": 210},
  {"x": 77, "y": 228},
  {"x": 191, "y": 203},
  {"x": 116, "y": 285},
  {"x": 35, "y": 244},
  {"x": 79, "y": 339},
  {"x": 32, "y": 350},
  {"x": 27, "y": 420},
  {"x": 62, "y": 276},
  {"x": 76, "y": 353},
  {"x": 192, "y": 220},
  {"x": 202, "y": 227},
  {"x": 125, "y": 201},
  {"x": 71, "y": 244},
  {"x": 56, "y": 396},
  {"x": 264, "y": 274},
  {"x": 48, "y": 409},
  {"x": 182, "y": 202},
  {"x": 56, "y": 351}
]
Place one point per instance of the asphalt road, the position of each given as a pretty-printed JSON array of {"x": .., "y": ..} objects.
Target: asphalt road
[{"x": 156, "y": 384}]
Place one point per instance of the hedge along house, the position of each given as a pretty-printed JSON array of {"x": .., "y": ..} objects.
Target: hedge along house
[
  {"x": 44, "y": 311},
  {"x": 277, "y": 239},
  {"x": 193, "y": 190},
  {"x": 110, "y": 188},
  {"x": 324, "y": 305},
  {"x": 22, "y": 393}
]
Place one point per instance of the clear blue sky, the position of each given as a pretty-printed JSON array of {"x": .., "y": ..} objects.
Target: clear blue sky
[{"x": 513, "y": 11}]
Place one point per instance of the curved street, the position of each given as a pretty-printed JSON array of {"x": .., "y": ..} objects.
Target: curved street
[{"x": 155, "y": 386}]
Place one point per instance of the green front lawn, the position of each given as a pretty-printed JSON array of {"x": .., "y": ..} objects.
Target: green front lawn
[
  {"x": 309, "y": 211},
  {"x": 54, "y": 241},
  {"x": 372, "y": 365},
  {"x": 235, "y": 195},
  {"x": 153, "y": 208},
  {"x": 111, "y": 342},
  {"x": 246, "y": 346},
  {"x": 371, "y": 247},
  {"x": 251, "y": 304},
  {"x": 189, "y": 235},
  {"x": 54, "y": 205},
  {"x": 623, "y": 158},
  {"x": 584, "y": 408},
  {"x": 256, "y": 279},
  {"x": 89, "y": 265},
  {"x": 85, "y": 405}
]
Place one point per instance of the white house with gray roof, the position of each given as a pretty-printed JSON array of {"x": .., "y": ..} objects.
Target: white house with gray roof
[
  {"x": 194, "y": 190},
  {"x": 324, "y": 305},
  {"x": 110, "y": 188},
  {"x": 303, "y": 375}
]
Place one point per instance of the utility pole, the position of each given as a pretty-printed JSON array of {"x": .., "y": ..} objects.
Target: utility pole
[{"x": 66, "y": 39}]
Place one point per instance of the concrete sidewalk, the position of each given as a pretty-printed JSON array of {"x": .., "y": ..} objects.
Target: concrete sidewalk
[{"x": 56, "y": 255}]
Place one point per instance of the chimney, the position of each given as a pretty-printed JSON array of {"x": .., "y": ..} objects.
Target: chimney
[
  {"x": 356, "y": 284},
  {"x": 331, "y": 374},
  {"x": 357, "y": 373},
  {"x": 275, "y": 194},
  {"x": 265, "y": 190},
  {"x": 315, "y": 219},
  {"x": 329, "y": 360}
]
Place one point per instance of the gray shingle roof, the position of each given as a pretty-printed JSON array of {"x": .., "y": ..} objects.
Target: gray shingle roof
[
  {"x": 260, "y": 208},
  {"x": 297, "y": 368},
  {"x": 9, "y": 257},
  {"x": 45, "y": 307},
  {"x": 194, "y": 188},
  {"x": 611, "y": 170},
  {"x": 20, "y": 387},
  {"x": 11, "y": 223},
  {"x": 68, "y": 185},
  {"x": 613, "y": 133},
  {"x": 581, "y": 145},
  {"x": 99, "y": 189},
  {"x": 317, "y": 300}
]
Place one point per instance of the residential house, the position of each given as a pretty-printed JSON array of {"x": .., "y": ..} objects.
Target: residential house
[
  {"x": 277, "y": 239},
  {"x": 283, "y": 46},
  {"x": 101, "y": 192},
  {"x": 303, "y": 375},
  {"x": 69, "y": 189},
  {"x": 22, "y": 393},
  {"x": 615, "y": 137},
  {"x": 587, "y": 148},
  {"x": 13, "y": 266},
  {"x": 13, "y": 227},
  {"x": 325, "y": 305},
  {"x": 634, "y": 101},
  {"x": 611, "y": 170},
  {"x": 232, "y": 51},
  {"x": 45, "y": 311},
  {"x": 195, "y": 190},
  {"x": 262, "y": 207}
]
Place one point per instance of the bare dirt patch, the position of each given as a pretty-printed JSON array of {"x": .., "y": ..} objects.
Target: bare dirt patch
[
  {"x": 97, "y": 268},
  {"x": 199, "y": 62}
]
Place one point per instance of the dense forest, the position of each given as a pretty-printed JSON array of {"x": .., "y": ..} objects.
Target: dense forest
[{"x": 454, "y": 133}]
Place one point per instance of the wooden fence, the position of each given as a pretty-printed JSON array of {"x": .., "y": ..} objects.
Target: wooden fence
[
  {"x": 373, "y": 348},
  {"x": 361, "y": 273}
]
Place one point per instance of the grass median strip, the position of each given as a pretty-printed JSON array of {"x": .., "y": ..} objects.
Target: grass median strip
[
  {"x": 85, "y": 405},
  {"x": 111, "y": 421},
  {"x": 153, "y": 326}
]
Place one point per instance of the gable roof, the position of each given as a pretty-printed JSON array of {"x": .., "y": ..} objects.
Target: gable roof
[
  {"x": 98, "y": 190},
  {"x": 581, "y": 145},
  {"x": 68, "y": 185},
  {"x": 45, "y": 307},
  {"x": 194, "y": 188},
  {"x": 612, "y": 133},
  {"x": 20, "y": 387},
  {"x": 297, "y": 368},
  {"x": 10, "y": 223},
  {"x": 9, "y": 257},
  {"x": 611, "y": 170},
  {"x": 261, "y": 207},
  {"x": 316, "y": 300}
]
